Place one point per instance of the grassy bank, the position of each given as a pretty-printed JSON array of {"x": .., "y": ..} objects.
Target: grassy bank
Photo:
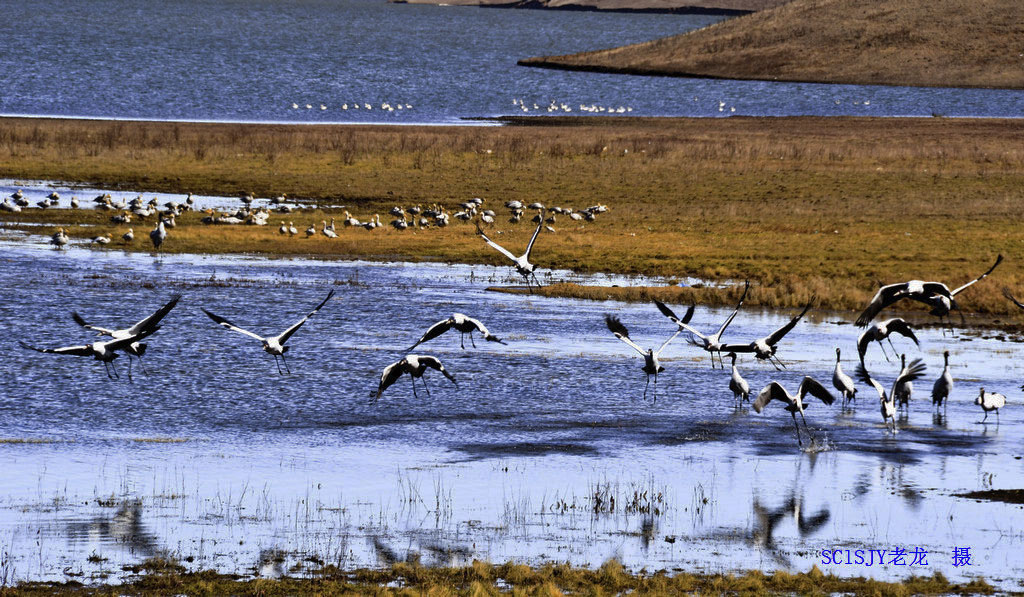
[
  {"x": 957, "y": 43},
  {"x": 164, "y": 578},
  {"x": 801, "y": 206}
]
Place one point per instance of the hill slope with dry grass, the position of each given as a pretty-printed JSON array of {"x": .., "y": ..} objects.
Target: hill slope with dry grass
[{"x": 955, "y": 43}]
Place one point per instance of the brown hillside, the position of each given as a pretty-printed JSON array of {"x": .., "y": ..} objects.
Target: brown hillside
[{"x": 948, "y": 43}]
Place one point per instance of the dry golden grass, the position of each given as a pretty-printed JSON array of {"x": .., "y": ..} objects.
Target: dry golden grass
[
  {"x": 164, "y": 577},
  {"x": 956, "y": 43},
  {"x": 801, "y": 206}
]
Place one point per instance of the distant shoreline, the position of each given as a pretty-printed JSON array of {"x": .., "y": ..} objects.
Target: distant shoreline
[{"x": 609, "y": 6}]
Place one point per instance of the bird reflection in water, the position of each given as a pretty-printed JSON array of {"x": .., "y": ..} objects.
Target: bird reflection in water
[
  {"x": 432, "y": 553},
  {"x": 125, "y": 528}
]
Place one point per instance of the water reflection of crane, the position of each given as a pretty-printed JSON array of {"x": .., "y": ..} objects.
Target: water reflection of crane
[
  {"x": 438, "y": 553},
  {"x": 124, "y": 528},
  {"x": 767, "y": 520}
]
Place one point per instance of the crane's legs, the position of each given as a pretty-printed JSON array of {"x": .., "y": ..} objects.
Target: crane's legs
[
  {"x": 656, "y": 390},
  {"x": 798, "y": 440},
  {"x": 425, "y": 386},
  {"x": 413, "y": 380},
  {"x": 129, "y": 367},
  {"x": 889, "y": 338},
  {"x": 141, "y": 366},
  {"x": 536, "y": 281},
  {"x": 647, "y": 386},
  {"x": 462, "y": 340},
  {"x": 285, "y": 361},
  {"x": 278, "y": 363},
  {"x": 885, "y": 354},
  {"x": 471, "y": 340}
]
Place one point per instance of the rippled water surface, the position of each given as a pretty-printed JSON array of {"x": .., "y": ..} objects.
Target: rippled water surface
[
  {"x": 544, "y": 451},
  {"x": 246, "y": 60}
]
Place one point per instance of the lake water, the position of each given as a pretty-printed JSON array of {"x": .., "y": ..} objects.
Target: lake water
[
  {"x": 251, "y": 60},
  {"x": 215, "y": 459}
]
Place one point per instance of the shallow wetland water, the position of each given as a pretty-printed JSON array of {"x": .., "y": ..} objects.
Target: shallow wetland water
[{"x": 544, "y": 452}]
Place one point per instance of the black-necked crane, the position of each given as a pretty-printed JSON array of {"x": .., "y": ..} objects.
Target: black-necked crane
[
  {"x": 101, "y": 351},
  {"x": 887, "y": 401},
  {"x": 463, "y": 324},
  {"x": 794, "y": 404},
  {"x": 146, "y": 326},
  {"x": 739, "y": 386},
  {"x": 764, "y": 348},
  {"x": 843, "y": 382},
  {"x": 651, "y": 364},
  {"x": 274, "y": 344},
  {"x": 903, "y": 390},
  {"x": 521, "y": 263},
  {"x": 936, "y": 295},
  {"x": 713, "y": 343},
  {"x": 882, "y": 330},
  {"x": 415, "y": 365},
  {"x": 159, "y": 234},
  {"x": 989, "y": 401},
  {"x": 943, "y": 386}
]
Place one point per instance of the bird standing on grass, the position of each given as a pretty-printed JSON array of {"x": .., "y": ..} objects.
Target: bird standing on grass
[
  {"x": 651, "y": 364},
  {"x": 274, "y": 344}
]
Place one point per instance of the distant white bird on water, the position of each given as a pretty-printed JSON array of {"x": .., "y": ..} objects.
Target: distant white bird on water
[
  {"x": 934, "y": 294},
  {"x": 463, "y": 324},
  {"x": 273, "y": 344},
  {"x": 843, "y": 382},
  {"x": 415, "y": 366},
  {"x": 794, "y": 404},
  {"x": 522, "y": 262},
  {"x": 652, "y": 366},
  {"x": 989, "y": 401}
]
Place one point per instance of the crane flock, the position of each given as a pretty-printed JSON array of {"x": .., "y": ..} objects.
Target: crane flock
[{"x": 936, "y": 295}]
